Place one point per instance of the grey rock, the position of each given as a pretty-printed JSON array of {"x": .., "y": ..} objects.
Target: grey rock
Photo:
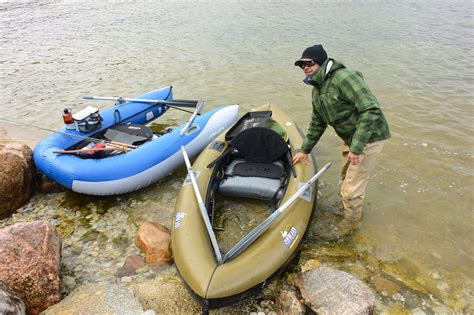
[
  {"x": 10, "y": 302},
  {"x": 329, "y": 291},
  {"x": 99, "y": 298}
]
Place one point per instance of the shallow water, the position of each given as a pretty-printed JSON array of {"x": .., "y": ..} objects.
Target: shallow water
[{"x": 416, "y": 56}]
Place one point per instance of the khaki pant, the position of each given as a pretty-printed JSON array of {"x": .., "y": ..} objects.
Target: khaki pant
[{"x": 355, "y": 179}]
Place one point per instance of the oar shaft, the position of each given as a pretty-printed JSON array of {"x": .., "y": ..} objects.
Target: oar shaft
[
  {"x": 183, "y": 103},
  {"x": 303, "y": 188},
  {"x": 122, "y": 145},
  {"x": 90, "y": 150},
  {"x": 202, "y": 208}
]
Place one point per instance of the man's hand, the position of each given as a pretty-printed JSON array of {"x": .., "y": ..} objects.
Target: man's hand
[
  {"x": 301, "y": 156},
  {"x": 354, "y": 158}
]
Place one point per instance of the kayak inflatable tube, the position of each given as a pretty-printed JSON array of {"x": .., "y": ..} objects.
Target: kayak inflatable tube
[
  {"x": 215, "y": 284},
  {"x": 137, "y": 168}
]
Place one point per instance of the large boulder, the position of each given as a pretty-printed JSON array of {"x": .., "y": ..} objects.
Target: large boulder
[
  {"x": 155, "y": 241},
  {"x": 29, "y": 263},
  {"x": 99, "y": 298},
  {"x": 329, "y": 291},
  {"x": 17, "y": 177},
  {"x": 10, "y": 302}
]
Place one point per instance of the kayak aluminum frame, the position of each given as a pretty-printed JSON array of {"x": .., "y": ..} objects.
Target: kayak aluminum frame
[
  {"x": 262, "y": 227},
  {"x": 202, "y": 208},
  {"x": 199, "y": 106}
]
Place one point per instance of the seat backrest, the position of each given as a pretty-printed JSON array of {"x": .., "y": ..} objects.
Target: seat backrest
[
  {"x": 249, "y": 120},
  {"x": 260, "y": 144}
]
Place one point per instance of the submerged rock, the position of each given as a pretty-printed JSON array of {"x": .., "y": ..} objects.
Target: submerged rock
[
  {"x": 29, "y": 263},
  {"x": 99, "y": 298},
  {"x": 10, "y": 302},
  {"x": 288, "y": 303},
  {"x": 407, "y": 273},
  {"x": 398, "y": 309},
  {"x": 329, "y": 291},
  {"x": 131, "y": 265},
  {"x": 331, "y": 252},
  {"x": 17, "y": 178},
  {"x": 384, "y": 286},
  {"x": 49, "y": 186},
  {"x": 155, "y": 241}
]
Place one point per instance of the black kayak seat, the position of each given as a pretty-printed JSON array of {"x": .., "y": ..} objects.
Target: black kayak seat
[
  {"x": 259, "y": 144},
  {"x": 252, "y": 180},
  {"x": 257, "y": 170},
  {"x": 132, "y": 134}
]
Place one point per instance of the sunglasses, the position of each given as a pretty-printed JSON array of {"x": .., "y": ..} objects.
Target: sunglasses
[{"x": 305, "y": 64}]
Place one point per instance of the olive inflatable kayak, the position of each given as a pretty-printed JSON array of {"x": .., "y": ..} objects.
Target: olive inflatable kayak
[{"x": 251, "y": 161}]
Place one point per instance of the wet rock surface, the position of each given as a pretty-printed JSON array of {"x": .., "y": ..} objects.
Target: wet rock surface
[
  {"x": 10, "y": 302},
  {"x": 17, "y": 177},
  {"x": 99, "y": 247},
  {"x": 29, "y": 263},
  {"x": 330, "y": 291},
  {"x": 98, "y": 298}
]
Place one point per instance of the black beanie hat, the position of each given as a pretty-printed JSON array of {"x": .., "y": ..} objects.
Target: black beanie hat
[{"x": 315, "y": 53}]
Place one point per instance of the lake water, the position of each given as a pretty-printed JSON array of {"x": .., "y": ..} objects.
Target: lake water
[{"x": 417, "y": 58}]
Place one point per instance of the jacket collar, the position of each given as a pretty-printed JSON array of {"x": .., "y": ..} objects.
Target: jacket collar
[{"x": 326, "y": 68}]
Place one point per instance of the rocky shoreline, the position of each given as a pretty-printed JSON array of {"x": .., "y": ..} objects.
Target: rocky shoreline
[{"x": 100, "y": 253}]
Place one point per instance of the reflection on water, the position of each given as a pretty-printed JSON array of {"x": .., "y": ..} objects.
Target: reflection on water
[{"x": 415, "y": 56}]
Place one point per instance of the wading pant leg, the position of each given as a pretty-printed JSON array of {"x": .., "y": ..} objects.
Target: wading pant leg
[{"x": 355, "y": 179}]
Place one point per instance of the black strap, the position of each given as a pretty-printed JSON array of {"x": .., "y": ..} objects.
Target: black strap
[{"x": 252, "y": 169}]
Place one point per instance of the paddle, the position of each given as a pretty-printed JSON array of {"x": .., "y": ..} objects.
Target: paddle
[
  {"x": 202, "y": 208},
  {"x": 121, "y": 100},
  {"x": 262, "y": 227}
]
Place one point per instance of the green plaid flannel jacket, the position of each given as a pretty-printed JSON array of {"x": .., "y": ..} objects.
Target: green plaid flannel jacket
[{"x": 342, "y": 99}]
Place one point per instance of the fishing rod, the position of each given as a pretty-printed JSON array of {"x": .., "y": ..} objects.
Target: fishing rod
[
  {"x": 95, "y": 140},
  {"x": 186, "y": 103}
]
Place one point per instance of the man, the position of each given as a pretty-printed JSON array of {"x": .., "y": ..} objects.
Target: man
[{"x": 342, "y": 100}]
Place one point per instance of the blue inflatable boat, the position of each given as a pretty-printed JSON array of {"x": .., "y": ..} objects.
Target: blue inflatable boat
[{"x": 139, "y": 167}]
